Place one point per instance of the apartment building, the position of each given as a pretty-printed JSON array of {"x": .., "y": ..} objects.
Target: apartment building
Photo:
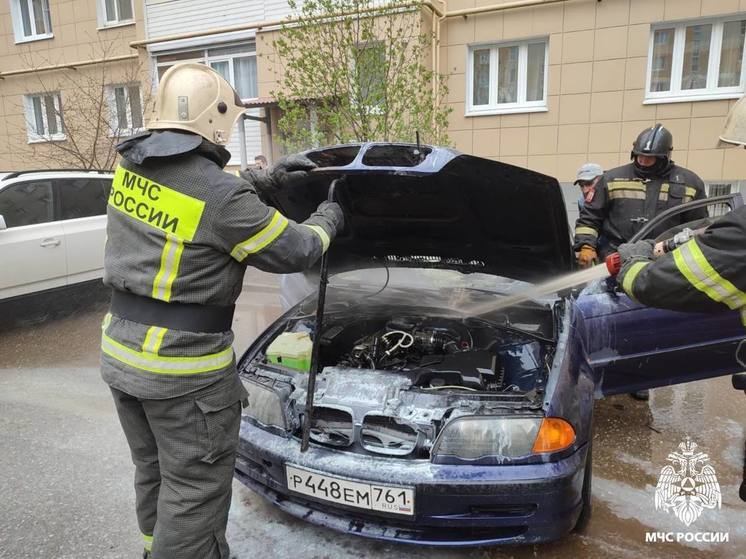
[
  {"x": 545, "y": 84},
  {"x": 194, "y": 31},
  {"x": 554, "y": 85},
  {"x": 57, "y": 58}
]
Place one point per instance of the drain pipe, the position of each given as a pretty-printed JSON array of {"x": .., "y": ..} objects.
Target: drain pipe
[{"x": 501, "y": 7}]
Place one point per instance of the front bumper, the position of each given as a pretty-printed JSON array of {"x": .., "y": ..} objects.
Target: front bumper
[{"x": 454, "y": 505}]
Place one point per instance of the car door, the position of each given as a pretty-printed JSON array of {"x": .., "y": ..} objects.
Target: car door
[
  {"x": 631, "y": 347},
  {"x": 32, "y": 244},
  {"x": 83, "y": 218}
]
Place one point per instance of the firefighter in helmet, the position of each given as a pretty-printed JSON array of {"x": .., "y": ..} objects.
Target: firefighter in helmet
[
  {"x": 180, "y": 233},
  {"x": 629, "y": 196}
]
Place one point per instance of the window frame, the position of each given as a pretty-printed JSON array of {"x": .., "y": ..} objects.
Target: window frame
[
  {"x": 17, "y": 19},
  {"x": 114, "y": 115},
  {"x": 53, "y": 210},
  {"x": 521, "y": 105},
  {"x": 708, "y": 93},
  {"x": 105, "y": 23},
  {"x": 205, "y": 58},
  {"x": 33, "y": 135},
  {"x": 60, "y": 198}
]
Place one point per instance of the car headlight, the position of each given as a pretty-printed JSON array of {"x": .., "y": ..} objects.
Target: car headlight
[
  {"x": 475, "y": 438},
  {"x": 265, "y": 403}
]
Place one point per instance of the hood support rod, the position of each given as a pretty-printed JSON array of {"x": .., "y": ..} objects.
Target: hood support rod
[{"x": 315, "y": 365}]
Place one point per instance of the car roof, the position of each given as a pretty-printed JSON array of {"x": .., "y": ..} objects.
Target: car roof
[
  {"x": 8, "y": 178},
  {"x": 53, "y": 173}
]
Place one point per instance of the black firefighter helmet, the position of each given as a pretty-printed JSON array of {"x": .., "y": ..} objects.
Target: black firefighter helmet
[{"x": 655, "y": 142}]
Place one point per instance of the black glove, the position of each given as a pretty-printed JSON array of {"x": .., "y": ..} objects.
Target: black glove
[
  {"x": 641, "y": 250},
  {"x": 333, "y": 212}
]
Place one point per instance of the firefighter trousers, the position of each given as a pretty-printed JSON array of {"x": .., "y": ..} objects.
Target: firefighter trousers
[{"x": 184, "y": 451}]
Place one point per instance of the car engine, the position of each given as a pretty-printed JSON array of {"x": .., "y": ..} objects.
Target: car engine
[{"x": 439, "y": 352}]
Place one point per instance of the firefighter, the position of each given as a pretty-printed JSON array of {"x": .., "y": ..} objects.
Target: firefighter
[
  {"x": 629, "y": 196},
  {"x": 180, "y": 235},
  {"x": 707, "y": 273}
]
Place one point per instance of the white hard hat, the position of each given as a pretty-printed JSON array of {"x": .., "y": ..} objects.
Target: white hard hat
[
  {"x": 195, "y": 98},
  {"x": 734, "y": 131}
]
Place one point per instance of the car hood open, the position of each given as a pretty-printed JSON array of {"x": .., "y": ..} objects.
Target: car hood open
[{"x": 426, "y": 206}]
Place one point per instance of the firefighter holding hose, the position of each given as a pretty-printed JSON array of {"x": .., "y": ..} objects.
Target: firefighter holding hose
[{"x": 707, "y": 273}]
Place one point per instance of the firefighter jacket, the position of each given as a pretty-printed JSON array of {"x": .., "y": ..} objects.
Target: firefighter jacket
[
  {"x": 708, "y": 273},
  {"x": 624, "y": 202},
  {"x": 181, "y": 230}
]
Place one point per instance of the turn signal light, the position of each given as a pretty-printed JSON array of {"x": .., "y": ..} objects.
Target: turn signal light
[{"x": 554, "y": 434}]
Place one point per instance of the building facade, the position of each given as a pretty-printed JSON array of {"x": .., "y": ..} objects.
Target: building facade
[
  {"x": 608, "y": 69},
  {"x": 63, "y": 65},
  {"x": 547, "y": 85}
]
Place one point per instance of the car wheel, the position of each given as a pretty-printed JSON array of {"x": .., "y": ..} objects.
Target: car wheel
[{"x": 585, "y": 512}]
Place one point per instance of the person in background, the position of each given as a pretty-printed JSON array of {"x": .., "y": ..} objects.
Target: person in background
[
  {"x": 586, "y": 178},
  {"x": 260, "y": 162}
]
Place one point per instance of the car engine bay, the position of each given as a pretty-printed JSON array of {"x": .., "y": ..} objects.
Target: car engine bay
[{"x": 391, "y": 378}]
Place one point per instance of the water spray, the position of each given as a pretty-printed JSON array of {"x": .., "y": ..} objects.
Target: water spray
[{"x": 610, "y": 268}]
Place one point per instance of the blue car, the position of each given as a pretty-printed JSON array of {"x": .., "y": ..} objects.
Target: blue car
[{"x": 446, "y": 411}]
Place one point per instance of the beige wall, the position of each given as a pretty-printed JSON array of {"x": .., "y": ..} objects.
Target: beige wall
[
  {"x": 76, "y": 38},
  {"x": 597, "y": 69}
]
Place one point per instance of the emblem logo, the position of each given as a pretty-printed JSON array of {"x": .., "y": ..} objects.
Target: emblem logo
[{"x": 688, "y": 485}]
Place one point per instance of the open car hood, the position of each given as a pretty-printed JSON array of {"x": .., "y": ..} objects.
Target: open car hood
[{"x": 426, "y": 206}]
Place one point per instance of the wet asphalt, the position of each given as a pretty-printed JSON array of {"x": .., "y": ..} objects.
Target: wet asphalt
[{"x": 66, "y": 475}]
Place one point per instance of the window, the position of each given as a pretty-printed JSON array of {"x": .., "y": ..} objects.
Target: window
[
  {"x": 507, "y": 77},
  {"x": 236, "y": 63},
  {"x": 27, "y": 203},
  {"x": 114, "y": 12},
  {"x": 44, "y": 117},
  {"x": 31, "y": 19},
  {"x": 83, "y": 197},
  {"x": 125, "y": 109},
  {"x": 696, "y": 60},
  {"x": 370, "y": 74}
]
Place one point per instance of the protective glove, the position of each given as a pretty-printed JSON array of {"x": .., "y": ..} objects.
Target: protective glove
[
  {"x": 288, "y": 171},
  {"x": 587, "y": 256},
  {"x": 641, "y": 250},
  {"x": 333, "y": 212}
]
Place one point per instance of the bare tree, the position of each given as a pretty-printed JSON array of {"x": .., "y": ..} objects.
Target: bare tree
[
  {"x": 354, "y": 70},
  {"x": 77, "y": 116}
]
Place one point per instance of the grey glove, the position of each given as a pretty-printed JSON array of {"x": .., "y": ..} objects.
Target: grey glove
[
  {"x": 290, "y": 170},
  {"x": 286, "y": 172},
  {"x": 333, "y": 212},
  {"x": 641, "y": 250}
]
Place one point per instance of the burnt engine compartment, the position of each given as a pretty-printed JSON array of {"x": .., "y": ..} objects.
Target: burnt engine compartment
[
  {"x": 391, "y": 379},
  {"x": 440, "y": 352}
]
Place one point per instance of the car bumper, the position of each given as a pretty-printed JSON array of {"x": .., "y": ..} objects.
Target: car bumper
[{"x": 454, "y": 505}]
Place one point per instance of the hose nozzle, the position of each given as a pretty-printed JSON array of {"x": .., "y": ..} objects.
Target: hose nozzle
[{"x": 614, "y": 263}]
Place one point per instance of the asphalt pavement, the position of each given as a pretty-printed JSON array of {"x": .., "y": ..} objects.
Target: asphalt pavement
[{"x": 66, "y": 475}]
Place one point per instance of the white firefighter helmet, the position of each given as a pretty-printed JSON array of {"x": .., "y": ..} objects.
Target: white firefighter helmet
[
  {"x": 734, "y": 131},
  {"x": 195, "y": 98}
]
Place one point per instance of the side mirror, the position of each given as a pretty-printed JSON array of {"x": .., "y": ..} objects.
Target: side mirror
[{"x": 2, "y": 223}]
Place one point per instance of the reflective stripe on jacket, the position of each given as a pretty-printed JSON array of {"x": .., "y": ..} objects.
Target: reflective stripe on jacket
[
  {"x": 706, "y": 274},
  {"x": 182, "y": 230},
  {"x": 624, "y": 202}
]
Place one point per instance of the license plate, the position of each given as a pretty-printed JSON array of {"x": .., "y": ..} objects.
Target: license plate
[{"x": 384, "y": 498}]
